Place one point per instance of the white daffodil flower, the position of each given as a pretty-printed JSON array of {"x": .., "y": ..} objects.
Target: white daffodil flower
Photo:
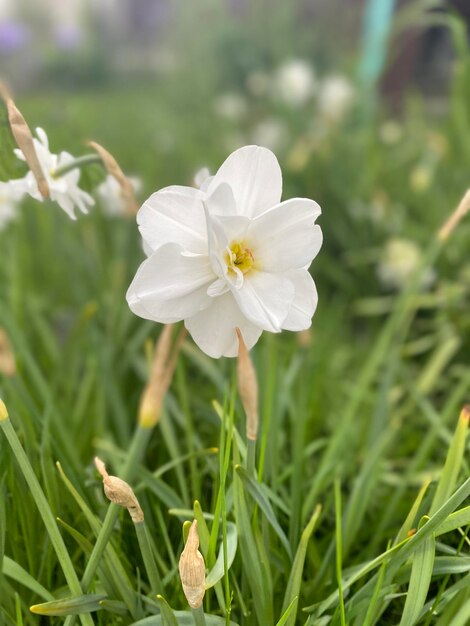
[
  {"x": 64, "y": 188},
  {"x": 228, "y": 256},
  {"x": 295, "y": 83},
  {"x": 111, "y": 196},
  {"x": 10, "y": 196}
]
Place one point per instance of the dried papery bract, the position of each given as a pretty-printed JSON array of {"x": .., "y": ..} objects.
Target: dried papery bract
[
  {"x": 119, "y": 492},
  {"x": 247, "y": 387},
  {"x": 192, "y": 569},
  {"x": 161, "y": 375},
  {"x": 113, "y": 168},
  {"x": 7, "y": 357},
  {"x": 24, "y": 139},
  {"x": 452, "y": 222}
]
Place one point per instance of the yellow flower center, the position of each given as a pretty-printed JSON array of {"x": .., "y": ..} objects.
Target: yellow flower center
[{"x": 239, "y": 257}]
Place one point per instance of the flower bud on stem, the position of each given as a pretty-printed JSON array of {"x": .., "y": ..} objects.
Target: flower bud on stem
[
  {"x": 161, "y": 375},
  {"x": 24, "y": 140},
  {"x": 113, "y": 168},
  {"x": 7, "y": 356},
  {"x": 193, "y": 571},
  {"x": 452, "y": 222},
  {"x": 119, "y": 492}
]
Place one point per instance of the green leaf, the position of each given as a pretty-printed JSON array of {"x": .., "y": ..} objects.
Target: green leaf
[
  {"x": 410, "y": 518},
  {"x": 420, "y": 579},
  {"x": 255, "y": 490},
  {"x": 202, "y": 529},
  {"x": 114, "y": 606},
  {"x": 252, "y": 558},
  {"x": 217, "y": 572},
  {"x": 458, "y": 519},
  {"x": 184, "y": 618},
  {"x": 450, "y": 472},
  {"x": 69, "y": 606},
  {"x": 167, "y": 617},
  {"x": 285, "y": 616},
  {"x": 16, "y": 572},
  {"x": 295, "y": 578}
]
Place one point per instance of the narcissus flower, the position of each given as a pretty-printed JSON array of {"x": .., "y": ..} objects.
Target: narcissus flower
[
  {"x": 64, "y": 188},
  {"x": 228, "y": 255},
  {"x": 111, "y": 195},
  {"x": 10, "y": 196}
]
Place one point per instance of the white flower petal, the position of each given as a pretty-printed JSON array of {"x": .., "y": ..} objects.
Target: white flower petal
[
  {"x": 42, "y": 136},
  {"x": 220, "y": 200},
  {"x": 304, "y": 303},
  {"x": 255, "y": 177},
  {"x": 265, "y": 299},
  {"x": 174, "y": 217},
  {"x": 286, "y": 237},
  {"x": 213, "y": 330},
  {"x": 170, "y": 286},
  {"x": 217, "y": 288}
]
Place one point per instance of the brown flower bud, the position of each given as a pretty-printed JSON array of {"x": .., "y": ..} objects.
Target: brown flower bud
[
  {"x": 452, "y": 222},
  {"x": 119, "y": 492},
  {"x": 192, "y": 569},
  {"x": 24, "y": 140},
  {"x": 113, "y": 168},
  {"x": 7, "y": 357},
  {"x": 161, "y": 375},
  {"x": 247, "y": 387}
]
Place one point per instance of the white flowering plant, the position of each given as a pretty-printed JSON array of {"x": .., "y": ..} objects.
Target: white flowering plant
[{"x": 310, "y": 474}]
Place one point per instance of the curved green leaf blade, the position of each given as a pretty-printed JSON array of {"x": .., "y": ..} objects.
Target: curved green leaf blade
[
  {"x": 420, "y": 579},
  {"x": 69, "y": 606},
  {"x": 217, "y": 572}
]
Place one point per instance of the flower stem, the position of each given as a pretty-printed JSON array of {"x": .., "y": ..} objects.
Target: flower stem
[
  {"x": 136, "y": 452},
  {"x": 46, "y": 514},
  {"x": 251, "y": 456},
  {"x": 87, "y": 159},
  {"x": 199, "y": 617},
  {"x": 156, "y": 585}
]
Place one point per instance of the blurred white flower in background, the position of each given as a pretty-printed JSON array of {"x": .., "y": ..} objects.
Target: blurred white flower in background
[
  {"x": 294, "y": 82},
  {"x": 10, "y": 197},
  {"x": 391, "y": 132},
  {"x": 230, "y": 256},
  {"x": 270, "y": 133},
  {"x": 335, "y": 96},
  {"x": 231, "y": 107},
  {"x": 110, "y": 194},
  {"x": 64, "y": 188},
  {"x": 400, "y": 258}
]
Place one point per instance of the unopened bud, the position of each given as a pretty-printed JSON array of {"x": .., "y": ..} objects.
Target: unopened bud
[
  {"x": 3, "y": 411},
  {"x": 161, "y": 375},
  {"x": 248, "y": 388},
  {"x": 113, "y": 168},
  {"x": 24, "y": 139},
  {"x": 465, "y": 413},
  {"x": 7, "y": 357},
  {"x": 192, "y": 569},
  {"x": 452, "y": 222},
  {"x": 119, "y": 492}
]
